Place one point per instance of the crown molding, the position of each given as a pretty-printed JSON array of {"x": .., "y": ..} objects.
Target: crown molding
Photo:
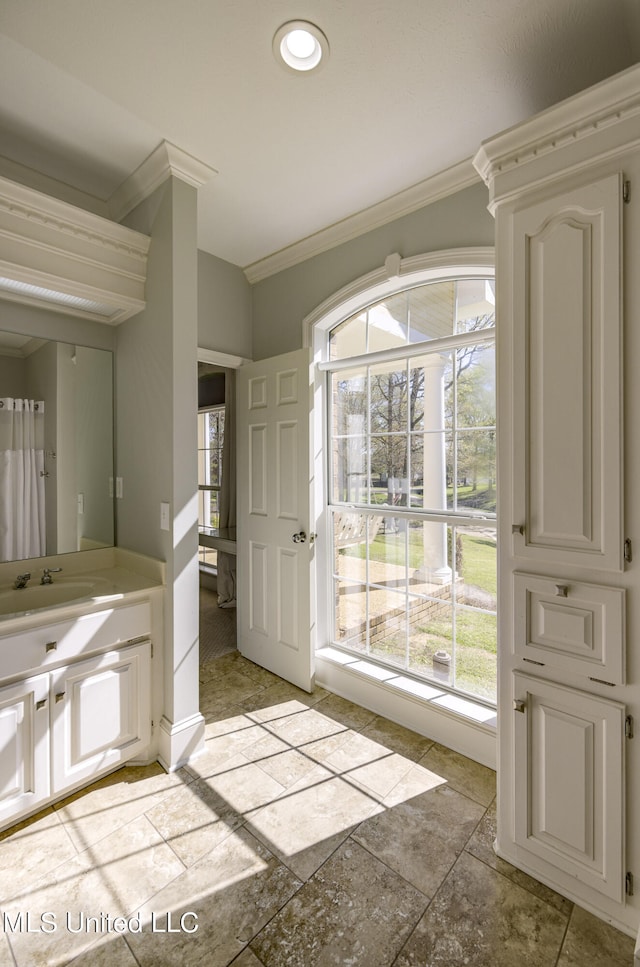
[
  {"x": 426, "y": 192},
  {"x": 67, "y": 251},
  {"x": 598, "y": 123},
  {"x": 165, "y": 161}
]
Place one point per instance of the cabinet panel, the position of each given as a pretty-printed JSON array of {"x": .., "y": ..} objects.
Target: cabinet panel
[
  {"x": 568, "y": 773},
  {"x": 567, "y": 491},
  {"x": 24, "y": 763},
  {"x": 65, "y": 640},
  {"x": 101, "y": 713},
  {"x": 570, "y": 626}
]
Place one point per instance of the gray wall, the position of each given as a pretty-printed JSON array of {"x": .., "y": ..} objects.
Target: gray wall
[
  {"x": 281, "y": 302},
  {"x": 224, "y": 307},
  {"x": 12, "y": 377}
]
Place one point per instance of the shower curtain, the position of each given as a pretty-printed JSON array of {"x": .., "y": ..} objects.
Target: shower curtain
[
  {"x": 226, "y": 563},
  {"x": 22, "y": 524}
]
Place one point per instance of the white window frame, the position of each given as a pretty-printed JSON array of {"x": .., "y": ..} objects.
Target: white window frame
[{"x": 395, "y": 276}]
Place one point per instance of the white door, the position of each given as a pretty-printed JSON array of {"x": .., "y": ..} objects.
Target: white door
[{"x": 275, "y": 545}]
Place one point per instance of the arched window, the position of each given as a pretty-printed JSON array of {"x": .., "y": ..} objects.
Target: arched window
[{"x": 410, "y": 475}]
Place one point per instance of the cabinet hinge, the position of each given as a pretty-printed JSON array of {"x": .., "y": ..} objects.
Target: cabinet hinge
[
  {"x": 628, "y": 884},
  {"x": 601, "y": 681},
  {"x": 628, "y": 727},
  {"x": 628, "y": 551},
  {"x": 626, "y": 192},
  {"x": 532, "y": 661}
]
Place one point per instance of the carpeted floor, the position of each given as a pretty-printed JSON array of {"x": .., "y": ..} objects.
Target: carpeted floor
[{"x": 217, "y": 627}]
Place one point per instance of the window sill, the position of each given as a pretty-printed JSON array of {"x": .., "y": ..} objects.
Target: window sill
[{"x": 459, "y": 723}]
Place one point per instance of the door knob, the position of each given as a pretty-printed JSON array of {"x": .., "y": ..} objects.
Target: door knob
[{"x": 299, "y": 538}]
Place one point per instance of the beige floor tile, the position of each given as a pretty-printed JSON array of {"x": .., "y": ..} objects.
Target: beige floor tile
[
  {"x": 415, "y": 782},
  {"x": 481, "y": 846},
  {"x": 287, "y": 767},
  {"x": 481, "y": 918},
  {"x": 281, "y": 692},
  {"x": 306, "y": 825},
  {"x": 234, "y": 891},
  {"x": 353, "y": 716},
  {"x": 114, "y": 801},
  {"x": 354, "y": 911},
  {"x": 111, "y": 951},
  {"x": 114, "y": 877},
  {"x": 591, "y": 941},
  {"x": 397, "y": 738},
  {"x": 6, "y": 957},
  {"x": 194, "y": 820},
  {"x": 30, "y": 850},
  {"x": 369, "y": 765},
  {"x": 233, "y": 688},
  {"x": 304, "y": 726},
  {"x": 220, "y": 750},
  {"x": 421, "y": 838},
  {"x": 247, "y": 959},
  {"x": 468, "y": 777},
  {"x": 245, "y": 787}
]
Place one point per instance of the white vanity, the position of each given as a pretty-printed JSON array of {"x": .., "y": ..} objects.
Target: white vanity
[{"x": 80, "y": 683}]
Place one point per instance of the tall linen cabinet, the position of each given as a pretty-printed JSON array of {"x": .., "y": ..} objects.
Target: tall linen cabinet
[{"x": 565, "y": 192}]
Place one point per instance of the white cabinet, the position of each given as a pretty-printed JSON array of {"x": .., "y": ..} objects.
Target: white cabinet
[
  {"x": 24, "y": 763},
  {"x": 568, "y": 777},
  {"x": 567, "y": 297},
  {"x": 76, "y": 703}
]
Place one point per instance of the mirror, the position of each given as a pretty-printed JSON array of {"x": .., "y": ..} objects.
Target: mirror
[{"x": 76, "y": 385}]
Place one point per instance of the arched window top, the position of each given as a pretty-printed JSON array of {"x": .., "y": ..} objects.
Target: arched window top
[
  {"x": 407, "y": 290},
  {"x": 433, "y": 310}
]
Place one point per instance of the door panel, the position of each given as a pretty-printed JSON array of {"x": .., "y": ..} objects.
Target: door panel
[
  {"x": 24, "y": 763},
  {"x": 275, "y": 560},
  {"x": 567, "y": 391},
  {"x": 568, "y": 771}
]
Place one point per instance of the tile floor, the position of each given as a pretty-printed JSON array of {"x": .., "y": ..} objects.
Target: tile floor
[{"x": 310, "y": 832}]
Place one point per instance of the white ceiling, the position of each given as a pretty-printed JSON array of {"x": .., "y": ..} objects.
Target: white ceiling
[{"x": 89, "y": 88}]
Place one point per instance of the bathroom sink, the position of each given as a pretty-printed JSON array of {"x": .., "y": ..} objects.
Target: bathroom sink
[{"x": 39, "y": 596}]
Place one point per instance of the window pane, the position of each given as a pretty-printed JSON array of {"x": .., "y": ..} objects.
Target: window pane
[
  {"x": 388, "y": 404},
  {"x": 475, "y": 304},
  {"x": 476, "y": 568},
  {"x": 475, "y": 649},
  {"x": 350, "y": 614},
  {"x": 476, "y": 462},
  {"x": 387, "y": 323},
  {"x": 431, "y": 311},
  {"x": 430, "y": 635},
  {"x": 476, "y": 386},
  {"x": 388, "y": 625},
  {"x": 349, "y": 401},
  {"x": 349, "y": 338}
]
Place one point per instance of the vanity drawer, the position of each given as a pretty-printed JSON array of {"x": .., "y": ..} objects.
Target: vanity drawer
[
  {"x": 570, "y": 626},
  {"x": 37, "y": 648}
]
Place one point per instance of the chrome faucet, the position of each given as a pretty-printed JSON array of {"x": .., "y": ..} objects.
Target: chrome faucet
[
  {"x": 46, "y": 574},
  {"x": 21, "y": 581}
]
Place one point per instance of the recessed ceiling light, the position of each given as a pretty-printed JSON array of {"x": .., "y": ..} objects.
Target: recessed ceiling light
[{"x": 300, "y": 46}]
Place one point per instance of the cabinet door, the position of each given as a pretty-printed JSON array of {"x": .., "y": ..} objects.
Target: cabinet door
[
  {"x": 567, "y": 448},
  {"x": 569, "y": 781},
  {"x": 100, "y": 715},
  {"x": 24, "y": 740}
]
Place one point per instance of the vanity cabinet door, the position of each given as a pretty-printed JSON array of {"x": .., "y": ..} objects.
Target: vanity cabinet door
[
  {"x": 567, "y": 364},
  {"x": 100, "y": 714},
  {"x": 24, "y": 763},
  {"x": 569, "y": 782}
]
